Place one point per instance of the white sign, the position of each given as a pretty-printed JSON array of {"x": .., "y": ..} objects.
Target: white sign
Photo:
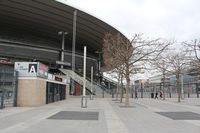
[{"x": 31, "y": 69}]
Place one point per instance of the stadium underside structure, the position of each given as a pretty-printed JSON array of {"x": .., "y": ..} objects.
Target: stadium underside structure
[{"x": 29, "y": 31}]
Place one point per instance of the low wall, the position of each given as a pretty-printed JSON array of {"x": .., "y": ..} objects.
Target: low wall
[{"x": 31, "y": 92}]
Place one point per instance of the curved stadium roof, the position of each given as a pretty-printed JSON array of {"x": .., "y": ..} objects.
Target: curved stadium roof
[{"x": 29, "y": 29}]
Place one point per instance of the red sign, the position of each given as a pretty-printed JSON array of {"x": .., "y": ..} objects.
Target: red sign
[{"x": 5, "y": 61}]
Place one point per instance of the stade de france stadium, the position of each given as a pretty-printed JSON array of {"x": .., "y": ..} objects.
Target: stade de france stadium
[{"x": 38, "y": 40}]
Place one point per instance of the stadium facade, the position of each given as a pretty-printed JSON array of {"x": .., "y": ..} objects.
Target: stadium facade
[{"x": 29, "y": 32}]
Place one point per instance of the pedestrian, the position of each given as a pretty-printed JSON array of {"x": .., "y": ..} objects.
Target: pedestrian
[
  {"x": 160, "y": 94},
  {"x": 136, "y": 95},
  {"x": 156, "y": 96}
]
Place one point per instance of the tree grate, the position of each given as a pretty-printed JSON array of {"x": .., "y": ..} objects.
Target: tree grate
[{"x": 75, "y": 115}]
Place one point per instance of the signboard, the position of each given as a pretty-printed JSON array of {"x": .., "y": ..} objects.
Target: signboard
[
  {"x": 58, "y": 79},
  {"x": 26, "y": 69},
  {"x": 42, "y": 71},
  {"x": 31, "y": 69},
  {"x": 5, "y": 61},
  {"x": 63, "y": 63}
]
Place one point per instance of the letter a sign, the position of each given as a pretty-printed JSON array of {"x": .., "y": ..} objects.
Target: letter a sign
[{"x": 32, "y": 68}]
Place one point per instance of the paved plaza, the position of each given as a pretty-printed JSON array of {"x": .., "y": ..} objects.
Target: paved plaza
[{"x": 104, "y": 116}]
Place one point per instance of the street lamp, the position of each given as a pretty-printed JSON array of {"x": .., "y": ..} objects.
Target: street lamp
[
  {"x": 91, "y": 85},
  {"x": 99, "y": 65},
  {"x": 99, "y": 62},
  {"x": 99, "y": 70},
  {"x": 84, "y": 99},
  {"x": 62, "y": 33},
  {"x": 142, "y": 83}
]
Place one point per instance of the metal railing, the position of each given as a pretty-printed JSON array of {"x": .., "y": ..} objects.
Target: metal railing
[{"x": 98, "y": 89}]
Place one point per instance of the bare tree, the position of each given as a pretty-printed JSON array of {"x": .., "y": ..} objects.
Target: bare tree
[
  {"x": 193, "y": 47},
  {"x": 118, "y": 51},
  {"x": 160, "y": 64},
  {"x": 110, "y": 60},
  {"x": 176, "y": 63},
  {"x": 116, "y": 74}
]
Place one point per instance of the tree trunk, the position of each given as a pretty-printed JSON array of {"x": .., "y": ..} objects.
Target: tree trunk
[
  {"x": 178, "y": 87},
  {"x": 122, "y": 88},
  {"x": 117, "y": 90},
  {"x": 197, "y": 89},
  {"x": 164, "y": 84},
  {"x": 127, "y": 90}
]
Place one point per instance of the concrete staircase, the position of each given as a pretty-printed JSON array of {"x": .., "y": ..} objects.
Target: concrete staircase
[{"x": 97, "y": 89}]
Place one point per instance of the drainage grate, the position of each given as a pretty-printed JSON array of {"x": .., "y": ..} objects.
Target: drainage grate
[
  {"x": 181, "y": 115},
  {"x": 127, "y": 106},
  {"x": 75, "y": 115},
  {"x": 115, "y": 100}
]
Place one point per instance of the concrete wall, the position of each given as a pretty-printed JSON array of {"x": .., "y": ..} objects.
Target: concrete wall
[{"x": 31, "y": 92}]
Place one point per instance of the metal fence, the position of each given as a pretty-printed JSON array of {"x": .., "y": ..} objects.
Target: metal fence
[
  {"x": 188, "y": 89},
  {"x": 8, "y": 88}
]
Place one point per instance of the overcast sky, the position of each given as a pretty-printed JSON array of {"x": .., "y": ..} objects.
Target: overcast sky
[{"x": 170, "y": 19}]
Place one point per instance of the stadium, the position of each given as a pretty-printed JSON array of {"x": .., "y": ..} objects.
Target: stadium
[{"x": 48, "y": 32}]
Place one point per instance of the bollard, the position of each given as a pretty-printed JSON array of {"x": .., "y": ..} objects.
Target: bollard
[
  {"x": 103, "y": 95},
  {"x": 84, "y": 102}
]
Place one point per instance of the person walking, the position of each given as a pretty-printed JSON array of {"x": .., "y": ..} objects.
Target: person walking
[
  {"x": 156, "y": 96},
  {"x": 136, "y": 95},
  {"x": 160, "y": 94}
]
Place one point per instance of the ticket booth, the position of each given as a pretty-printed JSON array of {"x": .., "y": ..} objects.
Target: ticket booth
[{"x": 35, "y": 88}]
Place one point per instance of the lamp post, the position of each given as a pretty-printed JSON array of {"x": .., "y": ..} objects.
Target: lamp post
[
  {"x": 84, "y": 99},
  {"x": 142, "y": 88},
  {"x": 99, "y": 69},
  {"x": 62, "y": 33},
  {"x": 91, "y": 89},
  {"x": 99, "y": 62}
]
